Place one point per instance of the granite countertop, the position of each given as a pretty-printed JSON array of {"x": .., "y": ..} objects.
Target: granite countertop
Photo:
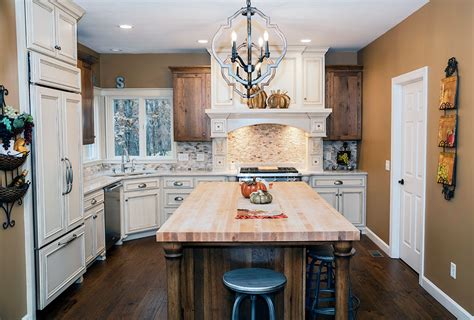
[{"x": 334, "y": 172}]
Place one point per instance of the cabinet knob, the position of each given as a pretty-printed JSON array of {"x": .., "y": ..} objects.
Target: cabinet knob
[
  {"x": 142, "y": 185},
  {"x": 338, "y": 182},
  {"x": 94, "y": 216},
  {"x": 178, "y": 199},
  {"x": 93, "y": 201},
  {"x": 305, "y": 98},
  {"x": 57, "y": 47}
]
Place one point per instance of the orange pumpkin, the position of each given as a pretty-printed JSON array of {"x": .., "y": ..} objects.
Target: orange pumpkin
[{"x": 247, "y": 188}]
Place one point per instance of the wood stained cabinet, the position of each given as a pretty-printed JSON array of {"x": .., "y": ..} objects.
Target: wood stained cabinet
[
  {"x": 88, "y": 134},
  {"x": 191, "y": 96},
  {"x": 344, "y": 97}
]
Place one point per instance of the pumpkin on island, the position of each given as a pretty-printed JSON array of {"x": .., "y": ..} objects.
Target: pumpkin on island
[{"x": 247, "y": 188}]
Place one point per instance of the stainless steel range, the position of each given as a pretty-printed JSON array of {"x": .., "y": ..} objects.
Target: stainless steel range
[{"x": 269, "y": 173}]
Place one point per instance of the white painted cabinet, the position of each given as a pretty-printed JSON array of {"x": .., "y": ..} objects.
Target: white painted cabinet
[
  {"x": 94, "y": 225},
  {"x": 60, "y": 264},
  {"x": 222, "y": 94},
  {"x": 58, "y": 162},
  {"x": 345, "y": 193},
  {"x": 313, "y": 80},
  {"x": 51, "y": 30},
  {"x": 141, "y": 210}
]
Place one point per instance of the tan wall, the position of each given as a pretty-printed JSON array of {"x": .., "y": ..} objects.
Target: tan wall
[
  {"x": 439, "y": 30},
  {"x": 12, "y": 240},
  {"x": 146, "y": 70},
  {"x": 341, "y": 57}
]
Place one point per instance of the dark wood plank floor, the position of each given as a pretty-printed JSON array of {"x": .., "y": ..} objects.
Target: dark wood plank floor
[{"x": 131, "y": 284}]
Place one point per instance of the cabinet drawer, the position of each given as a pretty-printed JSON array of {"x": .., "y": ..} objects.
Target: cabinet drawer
[
  {"x": 174, "y": 198},
  {"x": 337, "y": 181},
  {"x": 60, "y": 264},
  {"x": 178, "y": 182},
  {"x": 93, "y": 199},
  {"x": 167, "y": 213},
  {"x": 53, "y": 73},
  {"x": 141, "y": 184}
]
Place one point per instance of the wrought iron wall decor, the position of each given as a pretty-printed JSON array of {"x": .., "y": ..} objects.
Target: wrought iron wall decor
[
  {"x": 447, "y": 132},
  {"x": 13, "y": 186},
  {"x": 254, "y": 72}
]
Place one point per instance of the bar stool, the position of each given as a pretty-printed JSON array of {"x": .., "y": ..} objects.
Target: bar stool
[
  {"x": 254, "y": 282},
  {"x": 324, "y": 254}
]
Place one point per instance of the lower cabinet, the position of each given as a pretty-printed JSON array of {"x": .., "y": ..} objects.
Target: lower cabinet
[
  {"x": 141, "y": 210},
  {"x": 60, "y": 263},
  {"x": 94, "y": 229},
  {"x": 345, "y": 194}
]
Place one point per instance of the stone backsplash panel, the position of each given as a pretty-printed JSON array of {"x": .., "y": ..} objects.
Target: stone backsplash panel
[
  {"x": 330, "y": 149},
  {"x": 271, "y": 144}
]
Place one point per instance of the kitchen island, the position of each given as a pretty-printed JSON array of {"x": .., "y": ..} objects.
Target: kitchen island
[{"x": 202, "y": 240}]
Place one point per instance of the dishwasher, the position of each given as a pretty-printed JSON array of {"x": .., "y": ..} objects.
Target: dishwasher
[{"x": 112, "y": 214}]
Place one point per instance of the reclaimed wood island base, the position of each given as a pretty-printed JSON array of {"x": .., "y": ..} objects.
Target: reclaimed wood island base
[{"x": 203, "y": 240}]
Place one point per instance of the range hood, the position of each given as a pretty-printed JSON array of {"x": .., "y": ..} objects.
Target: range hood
[{"x": 310, "y": 120}]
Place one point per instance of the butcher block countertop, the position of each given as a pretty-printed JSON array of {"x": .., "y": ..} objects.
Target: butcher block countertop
[{"x": 208, "y": 215}]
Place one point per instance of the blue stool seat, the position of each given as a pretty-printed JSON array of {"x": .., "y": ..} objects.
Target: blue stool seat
[
  {"x": 253, "y": 282},
  {"x": 321, "y": 252}
]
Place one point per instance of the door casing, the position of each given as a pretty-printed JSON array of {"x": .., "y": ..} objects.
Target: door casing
[{"x": 396, "y": 160}]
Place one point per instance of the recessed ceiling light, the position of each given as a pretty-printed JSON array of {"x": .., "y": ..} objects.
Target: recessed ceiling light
[
  {"x": 305, "y": 40},
  {"x": 125, "y": 26},
  {"x": 116, "y": 50},
  {"x": 203, "y": 41}
]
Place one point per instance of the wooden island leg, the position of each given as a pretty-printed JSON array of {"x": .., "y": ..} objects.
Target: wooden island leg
[
  {"x": 173, "y": 255},
  {"x": 342, "y": 251}
]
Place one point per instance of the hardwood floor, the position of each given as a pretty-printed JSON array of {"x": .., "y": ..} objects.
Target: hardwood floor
[{"x": 131, "y": 284}]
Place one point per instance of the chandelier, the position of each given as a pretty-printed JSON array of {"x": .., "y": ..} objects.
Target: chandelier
[{"x": 248, "y": 67}]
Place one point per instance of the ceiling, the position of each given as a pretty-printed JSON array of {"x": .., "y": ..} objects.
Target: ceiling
[{"x": 176, "y": 25}]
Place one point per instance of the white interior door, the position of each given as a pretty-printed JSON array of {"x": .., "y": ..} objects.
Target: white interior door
[{"x": 412, "y": 170}]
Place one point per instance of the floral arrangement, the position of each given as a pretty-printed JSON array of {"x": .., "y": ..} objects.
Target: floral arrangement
[{"x": 12, "y": 124}]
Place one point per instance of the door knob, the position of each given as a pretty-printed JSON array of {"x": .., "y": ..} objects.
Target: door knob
[{"x": 402, "y": 182}]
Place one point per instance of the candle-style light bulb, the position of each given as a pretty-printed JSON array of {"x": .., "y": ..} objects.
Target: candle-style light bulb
[
  {"x": 265, "y": 36},
  {"x": 234, "y": 36},
  {"x": 260, "y": 42},
  {"x": 267, "y": 47}
]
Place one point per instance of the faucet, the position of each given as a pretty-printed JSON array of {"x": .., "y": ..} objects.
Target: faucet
[{"x": 125, "y": 158}]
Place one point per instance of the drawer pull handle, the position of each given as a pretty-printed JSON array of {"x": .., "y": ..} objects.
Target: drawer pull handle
[
  {"x": 178, "y": 183},
  {"x": 338, "y": 182},
  {"x": 142, "y": 185},
  {"x": 74, "y": 236},
  {"x": 178, "y": 199},
  {"x": 57, "y": 47},
  {"x": 93, "y": 201}
]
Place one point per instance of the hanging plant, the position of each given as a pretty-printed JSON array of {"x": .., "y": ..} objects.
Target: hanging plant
[{"x": 14, "y": 124}]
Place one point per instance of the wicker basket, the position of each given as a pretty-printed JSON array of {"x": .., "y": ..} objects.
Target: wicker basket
[
  {"x": 13, "y": 194},
  {"x": 10, "y": 162}
]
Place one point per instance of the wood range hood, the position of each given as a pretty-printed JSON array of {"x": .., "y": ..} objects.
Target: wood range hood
[{"x": 310, "y": 120}]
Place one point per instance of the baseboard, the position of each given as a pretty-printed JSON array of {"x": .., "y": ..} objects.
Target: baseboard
[
  {"x": 140, "y": 235},
  {"x": 445, "y": 300},
  {"x": 379, "y": 242}
]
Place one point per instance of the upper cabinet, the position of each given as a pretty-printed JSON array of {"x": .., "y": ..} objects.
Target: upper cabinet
[
  {"x": 52, "y": 28},
  {"x": 300, "y": 74},
  {"x": 88, "y": 134},
  {"x": 344, "y": 97},
  {"x": 191, "y": 97}
]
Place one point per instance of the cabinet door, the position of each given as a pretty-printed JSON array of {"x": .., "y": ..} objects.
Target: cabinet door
[
  {"x": 40, "y": 34},
  {"x": 49, "y": 169},
  {"x": 330, "y": 195},
  {"x": 141, "y": 210},
  {"x": 351, "y": 204},
  {"x": 89, "y": 235},
  {"x": 222, "y": 93},
  {"x": 344, "y": 96},
  {"x": 191, "y": 93},
  {"x": 72, "y": 145},
  {"x": 99, "y": 224},
  {"x": 313, "y": 81},
  {"x": 66, "y": 37},
  {"x": 287, "y": 78},
  {"x": 87, "y": 94}
]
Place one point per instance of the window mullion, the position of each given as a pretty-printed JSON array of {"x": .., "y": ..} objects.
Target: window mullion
[{"x": 142, "y": 129}]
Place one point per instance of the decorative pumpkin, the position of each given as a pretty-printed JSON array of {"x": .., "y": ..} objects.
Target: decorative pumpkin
[
  {"x": 247, "y": 188},
  {"x": 259, "y": 101},
  {"x": 261, "y": 197},
  {"x": 279, "y": 100}
]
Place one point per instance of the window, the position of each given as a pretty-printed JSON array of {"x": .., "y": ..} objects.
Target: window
[
  {"x": 140, "y": 123},
  {"x": 91, "y": 151}
]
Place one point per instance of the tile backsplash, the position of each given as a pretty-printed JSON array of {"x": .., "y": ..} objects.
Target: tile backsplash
[
  {"x": 330, "y": 149},
  {"x": 267, "y": 144}
]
